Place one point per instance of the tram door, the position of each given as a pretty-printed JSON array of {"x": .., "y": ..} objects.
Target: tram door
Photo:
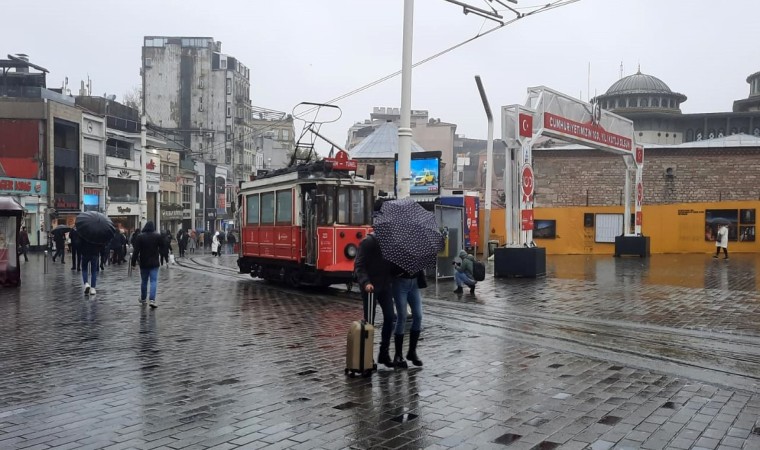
[{"x": 310, "y": 223}]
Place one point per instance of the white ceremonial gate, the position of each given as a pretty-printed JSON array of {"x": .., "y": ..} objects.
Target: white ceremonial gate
[{"x": 553, "y": 114}]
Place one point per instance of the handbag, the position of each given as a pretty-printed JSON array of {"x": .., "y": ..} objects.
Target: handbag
[{"x": 421, "y": 280}]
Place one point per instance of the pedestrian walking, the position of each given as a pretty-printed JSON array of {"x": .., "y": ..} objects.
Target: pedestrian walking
[
  {"x": 148, "y": 246},
  {"x": 201, "y": 240},
  {"x": 406, "y": 291},
  {"x": 90, "y": 254},
  {"x": 463, "y": 272},
  {"x": 191, "y": 244},
  {"x": 208, "y": 239},
  {"x": 231, "y": 240},
  {"x": 721, "y": 241},
  {"x": 215, "y": 245},
  {"x": 164, "y": 253},
  {"x": 76, "y": 254},
  {"x": 60, "y": 246},
  {"x": 373, "y": 272},
  {"x": 182, "y": 239},
  {"x": 23, "y": 243},
  {"x": 221, "y": 236}
]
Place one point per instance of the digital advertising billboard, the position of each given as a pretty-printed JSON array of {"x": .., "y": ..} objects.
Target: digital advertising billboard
[{"x": 425, "y": 173}]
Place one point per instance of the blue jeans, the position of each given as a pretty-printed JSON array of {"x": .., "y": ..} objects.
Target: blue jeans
[
  {"x": 151, "y": 273},
  {"x": 90, "y": 263},
  {"x": 462, "y": 278},
  {"x": 405, "y": 291}
]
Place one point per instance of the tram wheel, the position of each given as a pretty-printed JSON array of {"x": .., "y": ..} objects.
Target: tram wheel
[{"x": 294, "y": 279}]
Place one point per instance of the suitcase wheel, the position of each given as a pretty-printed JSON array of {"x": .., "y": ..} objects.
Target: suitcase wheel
[{"x": 367, "y": 373}]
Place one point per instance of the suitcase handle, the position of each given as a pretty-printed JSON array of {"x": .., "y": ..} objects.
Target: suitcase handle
[{"x": 371, "y": 308}]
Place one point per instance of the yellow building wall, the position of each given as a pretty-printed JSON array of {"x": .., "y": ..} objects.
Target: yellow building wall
[{"x": 674, "y": 228}]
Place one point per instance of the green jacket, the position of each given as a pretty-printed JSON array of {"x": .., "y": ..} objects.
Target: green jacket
[{"x": 466, "y": 265}]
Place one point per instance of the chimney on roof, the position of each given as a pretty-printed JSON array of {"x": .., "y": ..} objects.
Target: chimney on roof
[{"x": 24, "y": 57}]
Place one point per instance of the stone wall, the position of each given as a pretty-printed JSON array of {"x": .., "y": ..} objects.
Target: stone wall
[{"x": 595, "y": 178}]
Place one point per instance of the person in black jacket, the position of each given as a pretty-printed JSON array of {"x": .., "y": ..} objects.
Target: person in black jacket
[
  {"x": 148, "y": 246},
  {"x": 76, "y": 254},
  {"x": 373, "y": 273},
  {"x": 89, "y": 253}
]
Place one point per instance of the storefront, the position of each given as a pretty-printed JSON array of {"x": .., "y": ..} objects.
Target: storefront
[
  {"x": 171, "y": 217},
  {"x": 32, "y": 195},
  {"x": 124, "y": 216}
]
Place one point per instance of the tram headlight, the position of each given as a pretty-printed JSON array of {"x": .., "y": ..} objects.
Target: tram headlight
[{"x": 350, "y": 251}]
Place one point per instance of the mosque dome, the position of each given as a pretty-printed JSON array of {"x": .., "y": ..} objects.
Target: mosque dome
[
  {"x": 639, "y": 83},
  {"x": 641, "y": 92}
]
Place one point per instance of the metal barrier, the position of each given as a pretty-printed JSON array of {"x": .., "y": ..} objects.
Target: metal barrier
[{"x": 45, "y": 262}]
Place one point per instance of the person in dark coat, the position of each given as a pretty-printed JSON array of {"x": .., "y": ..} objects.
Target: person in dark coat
[
  {"x": 182, "y": 238},
  {"x": 23, "y": 243},
  {"x": 164, "y": 254},
  {"x": 231, "y": 240},
  {"x": 117, "y": 248},
  {"x": 149, "y": 245},
  {"x": 60, "y": 246},
  {"x": 373, "y": 273},
  {"x": 76, "y": 255}
]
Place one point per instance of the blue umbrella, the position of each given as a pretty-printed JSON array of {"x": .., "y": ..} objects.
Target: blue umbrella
[
  {"x": 408, "y": 235},
  {"x": 95, "y": 228}
]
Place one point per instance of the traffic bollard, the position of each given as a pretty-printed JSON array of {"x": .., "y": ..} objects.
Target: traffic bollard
[
  {"x": 129, "y": 266},
  {"x": 44, "y": 262}
]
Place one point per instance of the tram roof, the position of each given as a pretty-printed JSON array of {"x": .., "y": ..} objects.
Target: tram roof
[{"x": 305, "y": 173}]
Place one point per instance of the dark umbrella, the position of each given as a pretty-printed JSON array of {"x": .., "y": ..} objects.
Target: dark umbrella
[
  {"x": 61, "y": 229},
  {"x": 408, "y": 235},
  {"x": 95, "y": 228}
]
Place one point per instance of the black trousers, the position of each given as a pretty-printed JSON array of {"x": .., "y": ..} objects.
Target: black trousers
[
  {"x": 383, "y": 298},
  {"x": 76, "y": 258}
]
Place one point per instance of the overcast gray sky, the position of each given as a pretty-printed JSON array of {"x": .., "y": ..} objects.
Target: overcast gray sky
[{"x": 316, "y": 50}]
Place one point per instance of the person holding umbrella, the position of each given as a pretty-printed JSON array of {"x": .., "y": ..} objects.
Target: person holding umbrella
[
  {"x": 721, "y": 241},
  {"x": 409, "y": 238},
  {"x": 59, "y": 237},
  {"x": 148, "y": 246},
  {"x": 95, "y": 231}
]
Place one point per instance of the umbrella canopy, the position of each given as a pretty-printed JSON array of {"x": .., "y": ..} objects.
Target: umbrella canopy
[
  {"x": 95, "y": 228},
  {"x": 408, "y": 235},
  {"x": 61, "y": 229}
]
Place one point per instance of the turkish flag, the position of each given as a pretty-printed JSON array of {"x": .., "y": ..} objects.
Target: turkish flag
[{"x": 526, "y": 125}]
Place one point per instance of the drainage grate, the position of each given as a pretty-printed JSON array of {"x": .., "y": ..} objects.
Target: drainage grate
[
  {"x": 307, "y": 372},
  {"x": 616, "y": 368},
  {"x": 533, "y": 356},
  {"x": 506, "y": 439},
  {"x": 756, "y": 431},
  {"x": 610, "y": 420},
  {"x": 545, "y": 445},
  {"x": 556, "y": 366},
  {"x": 299, "y": 400},
  {"x": 347, "y": 405},
  {"x": 669, "y": 405}
]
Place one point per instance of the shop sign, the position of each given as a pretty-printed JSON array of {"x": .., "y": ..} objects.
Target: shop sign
[
  {"x": 23, "y": 186},
  {"x": 187, "y": 214},
  {"x": 171, "y": 212},
  {"x": 66, "y": 201}
]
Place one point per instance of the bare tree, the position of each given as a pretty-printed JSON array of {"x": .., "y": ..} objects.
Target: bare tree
[{"x": 133, "y": 98}]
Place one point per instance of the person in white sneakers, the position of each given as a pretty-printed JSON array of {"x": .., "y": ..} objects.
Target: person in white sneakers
[
  {"x": 90, "y": 254},
  {"x": 147, "y": 247}
]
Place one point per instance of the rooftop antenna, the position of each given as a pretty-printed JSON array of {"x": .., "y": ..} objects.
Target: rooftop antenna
[{"x": 621, "y": 69}]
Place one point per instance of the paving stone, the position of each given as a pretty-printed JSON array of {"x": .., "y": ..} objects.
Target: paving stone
[{"x": 226, "y": 361}]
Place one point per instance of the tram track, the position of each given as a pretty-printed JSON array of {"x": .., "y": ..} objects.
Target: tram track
[{"x": 718, "y": 358}]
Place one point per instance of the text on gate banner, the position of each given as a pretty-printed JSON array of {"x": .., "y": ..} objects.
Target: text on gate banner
[{"x": 587, "y": 131}]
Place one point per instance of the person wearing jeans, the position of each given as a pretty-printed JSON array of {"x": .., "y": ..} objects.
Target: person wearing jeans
[
  {"x": 406, "y": 291},
  {"x": 147, "y": 247},
  {"x": 90, "y": 254}
]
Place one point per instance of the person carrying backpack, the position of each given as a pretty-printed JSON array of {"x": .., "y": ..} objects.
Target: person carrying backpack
[{"x": 463, "y": 273}]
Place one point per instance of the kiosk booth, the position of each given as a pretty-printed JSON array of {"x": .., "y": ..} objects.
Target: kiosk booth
[{"x": 11, "y": 213}]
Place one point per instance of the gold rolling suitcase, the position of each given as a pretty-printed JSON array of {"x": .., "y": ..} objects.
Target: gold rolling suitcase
[{"x": 360, "y": 344}]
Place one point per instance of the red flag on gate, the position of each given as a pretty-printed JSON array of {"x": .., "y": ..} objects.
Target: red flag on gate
[{"x": 526, "y": 125}]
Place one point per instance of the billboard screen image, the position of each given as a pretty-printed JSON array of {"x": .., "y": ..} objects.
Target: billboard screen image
[{"x": 425, "y": 173}]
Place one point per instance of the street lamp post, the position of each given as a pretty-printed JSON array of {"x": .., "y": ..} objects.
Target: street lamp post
[{"x": 405, "y": 128}]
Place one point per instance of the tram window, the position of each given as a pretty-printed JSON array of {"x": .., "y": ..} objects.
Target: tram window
[
  {"x": 267, "y": 208},
  {"x": 284, "y": 207},
  {"x": 344, "y": 205},
  {"x": 326, "y": 204},
  {"x": 368, "y": 209},
  {"x": 357, "y": 207},
  {"x": 252, "y": 209}
]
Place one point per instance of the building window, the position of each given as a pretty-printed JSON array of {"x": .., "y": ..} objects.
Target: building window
[
  {"x": 118, "y": 149},
  {"x": 223, "y": 64},
  {"x": 229, "y": 109},
  {"x": 229, "y": 87},
  {"x": 91, "y": 168},
  {"x": 187, "y": 195},
  {"x": 285, "y": 135}
]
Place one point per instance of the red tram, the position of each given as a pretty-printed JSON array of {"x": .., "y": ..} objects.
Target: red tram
[{"x": 302, "y": 225}]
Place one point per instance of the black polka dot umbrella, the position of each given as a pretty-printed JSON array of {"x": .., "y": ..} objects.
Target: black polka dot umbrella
[{"x": 408, "y": 235}]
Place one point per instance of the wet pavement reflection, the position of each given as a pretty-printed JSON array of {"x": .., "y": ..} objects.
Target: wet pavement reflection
[{"x": 602, "y": 352}]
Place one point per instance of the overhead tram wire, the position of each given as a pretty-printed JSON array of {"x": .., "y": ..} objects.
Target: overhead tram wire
[{"x": 547, "y": 7}]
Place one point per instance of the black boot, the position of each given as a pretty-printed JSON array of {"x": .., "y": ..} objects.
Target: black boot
[
  {"x": 458, "y": 290},
  {"x": 398, "y": 360},
  {"x": 472, "y": 288},
  {"x": 384, "y": 356},
  {"x": 411, "y": 355}
]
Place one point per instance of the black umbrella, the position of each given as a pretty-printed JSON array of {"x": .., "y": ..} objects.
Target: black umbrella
[
  {"x": 95, "y": 228},
  {"x": 61, "y": 229},
  {"x": 408, "y": 235}
]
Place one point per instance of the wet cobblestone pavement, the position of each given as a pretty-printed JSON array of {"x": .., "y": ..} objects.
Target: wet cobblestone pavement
[{"x": 603, "y": 353}]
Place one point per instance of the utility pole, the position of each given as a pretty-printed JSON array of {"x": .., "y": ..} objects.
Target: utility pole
[
  {"x": 143, "y": 170},
  {"x": 405, "y": 128},
  {"x": 489, "y": 162}
]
